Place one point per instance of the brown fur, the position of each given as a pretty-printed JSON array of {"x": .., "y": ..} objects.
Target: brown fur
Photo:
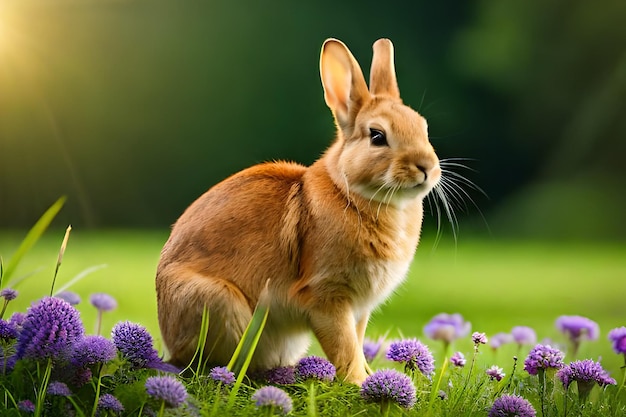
[{"x": 334, "y": 239}]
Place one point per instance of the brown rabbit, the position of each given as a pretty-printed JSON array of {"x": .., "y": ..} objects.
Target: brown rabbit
[{"x": 334, "y": 239}]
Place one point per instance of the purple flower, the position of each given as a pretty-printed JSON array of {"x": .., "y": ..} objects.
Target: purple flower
[
  {"x": 523, "y": 335},
  {"x": 17, "y": 319},
  {"x": 222, "y": 375},
  {"x": 26, "y": 406},
  {"x": 511, "y": 406},
  {"x": 495, "y": 372},
  {"x": 282, "y": 375},
  {"x": 458, "y": 359},
  {"x": 167, "y": 389},
  {"x": 135, "y": 345},
  {"x": 543, "y": 357},
  {"x": 414, "y": 354},
  {"x": 578, "y": 328},
  {"x": 51, "y": 327},
  {"x": 585, "y": 371},
  {"x": 103, "y": 302},
  {"x": 389, "y": 385},
  {"x": 500, "y": 339},
  {"x": 274, "y": 398},
  {"x": 58, "y": 388},
  {"x": 447, "y": 327},
  {"x": 108, "y": 403},
  {"x": 8, "y": 331},
  {"x": 479, "y": 338},
  {"x": 315, "y": 367},
  {"x": 8, "y": 294},
  {"x": 617, "y": 337},
  {"x": 371, "y": 348},
  {"x": 91, "y": 350},
  {"x": 69, "y": 296}
]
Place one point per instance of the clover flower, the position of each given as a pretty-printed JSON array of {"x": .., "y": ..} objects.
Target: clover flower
[
  {"x": 17, "y": 319},
  {"x": 577, "y": 328},
  {"x": 479, "y": 338},
  {"x": 102, "y": 301},
  {"x": 26, "y": 406},
  {"x": 49, "y": 330},
  {"x": 91, "y": 350},
  {"x": 108, "y": 403},
  {"x": 495, "y": 372},
  {"x": 543, "y": 357},
  {"x": 314, "y": 367},
  {"x": 511, "y": 406},
  {"x": 282, "y": 375},
  {"x": 458, "y": 360},
  {"x": 135, "y": 345},
  {"x": 222, "y": 375},
  {"x": 414, "y": 354},
  {"x": 8, "y": 294},
  {"x": 389, "y": 385},
  {"x": 585, "y": 371},
  {"x": 8, "y": 331},
  {"x": 273, "y": 398},
  {"x": 500, "y": 339},
  {"x": 69, "y": 296},
  {"x": 617, "y": 337},
  {"x": 166, "y": 389},
  {"x": 524, "y": 335},
  {"x": 371, "y": 348},
  {"x": 58, "y": 388},
  {"x": 447, "y": 327}
]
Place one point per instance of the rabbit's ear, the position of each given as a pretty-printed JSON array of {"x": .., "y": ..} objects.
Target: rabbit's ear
[
  {"x": 344, "y": 85},
  {"x": 383, "y": 71}
]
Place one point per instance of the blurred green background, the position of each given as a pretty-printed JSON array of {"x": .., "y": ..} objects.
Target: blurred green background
[{"x": 133, "y": 108}]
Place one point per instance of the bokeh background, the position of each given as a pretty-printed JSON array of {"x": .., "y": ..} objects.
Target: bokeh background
[{"x": 133, "y": 108}]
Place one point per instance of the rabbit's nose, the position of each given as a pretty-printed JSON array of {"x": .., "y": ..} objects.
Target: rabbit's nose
[{"x": 423, "y": 170}]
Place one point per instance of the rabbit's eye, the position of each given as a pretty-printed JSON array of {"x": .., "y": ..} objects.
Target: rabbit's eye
[{"x": 378, "y": 137}]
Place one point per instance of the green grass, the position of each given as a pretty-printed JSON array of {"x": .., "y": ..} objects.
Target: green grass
[{"x": 494, "y": 284}]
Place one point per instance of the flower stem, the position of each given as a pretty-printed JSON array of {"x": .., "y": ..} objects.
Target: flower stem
[
  {"x": 385, "y": 406},
  {"x": 467, "y": 379},
  {"x": 435, "y": 390},
  {"x": 162, "y": 409},
  {"x": 41, "y": 395},
  {"x": 4, "y": 308},
  {"x": 99, "y": 322},
  {"x": 312, "y": 405},
  {"x": 98, "y": 385},
  {"x": 623, "y": 377},
  {"x": 542, "y": 385}
]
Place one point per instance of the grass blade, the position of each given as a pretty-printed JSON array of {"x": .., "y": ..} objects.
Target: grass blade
[
  {"x": 60, "y": 257},
  {"x": 199, "y": 353},
  {"x": 245, "y": 349},
  {"x": 33, "y": 236},
  {"x": 82, "y": 274}
]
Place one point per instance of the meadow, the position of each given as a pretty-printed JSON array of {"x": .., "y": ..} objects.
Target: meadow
[{"x": 494, "y": 284}]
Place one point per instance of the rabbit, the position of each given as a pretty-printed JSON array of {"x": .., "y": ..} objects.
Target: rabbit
[{"x": 331, "y": 241}]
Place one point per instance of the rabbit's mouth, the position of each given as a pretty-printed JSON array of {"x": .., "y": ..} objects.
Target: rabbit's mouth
[{"x": 397, "y": 193}]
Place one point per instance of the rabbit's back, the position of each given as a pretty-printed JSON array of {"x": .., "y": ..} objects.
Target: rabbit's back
[{"x": 238, "y": 229}]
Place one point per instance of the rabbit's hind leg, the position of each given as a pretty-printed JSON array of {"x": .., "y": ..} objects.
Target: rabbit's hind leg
[{"x": 182, "y": 300}]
